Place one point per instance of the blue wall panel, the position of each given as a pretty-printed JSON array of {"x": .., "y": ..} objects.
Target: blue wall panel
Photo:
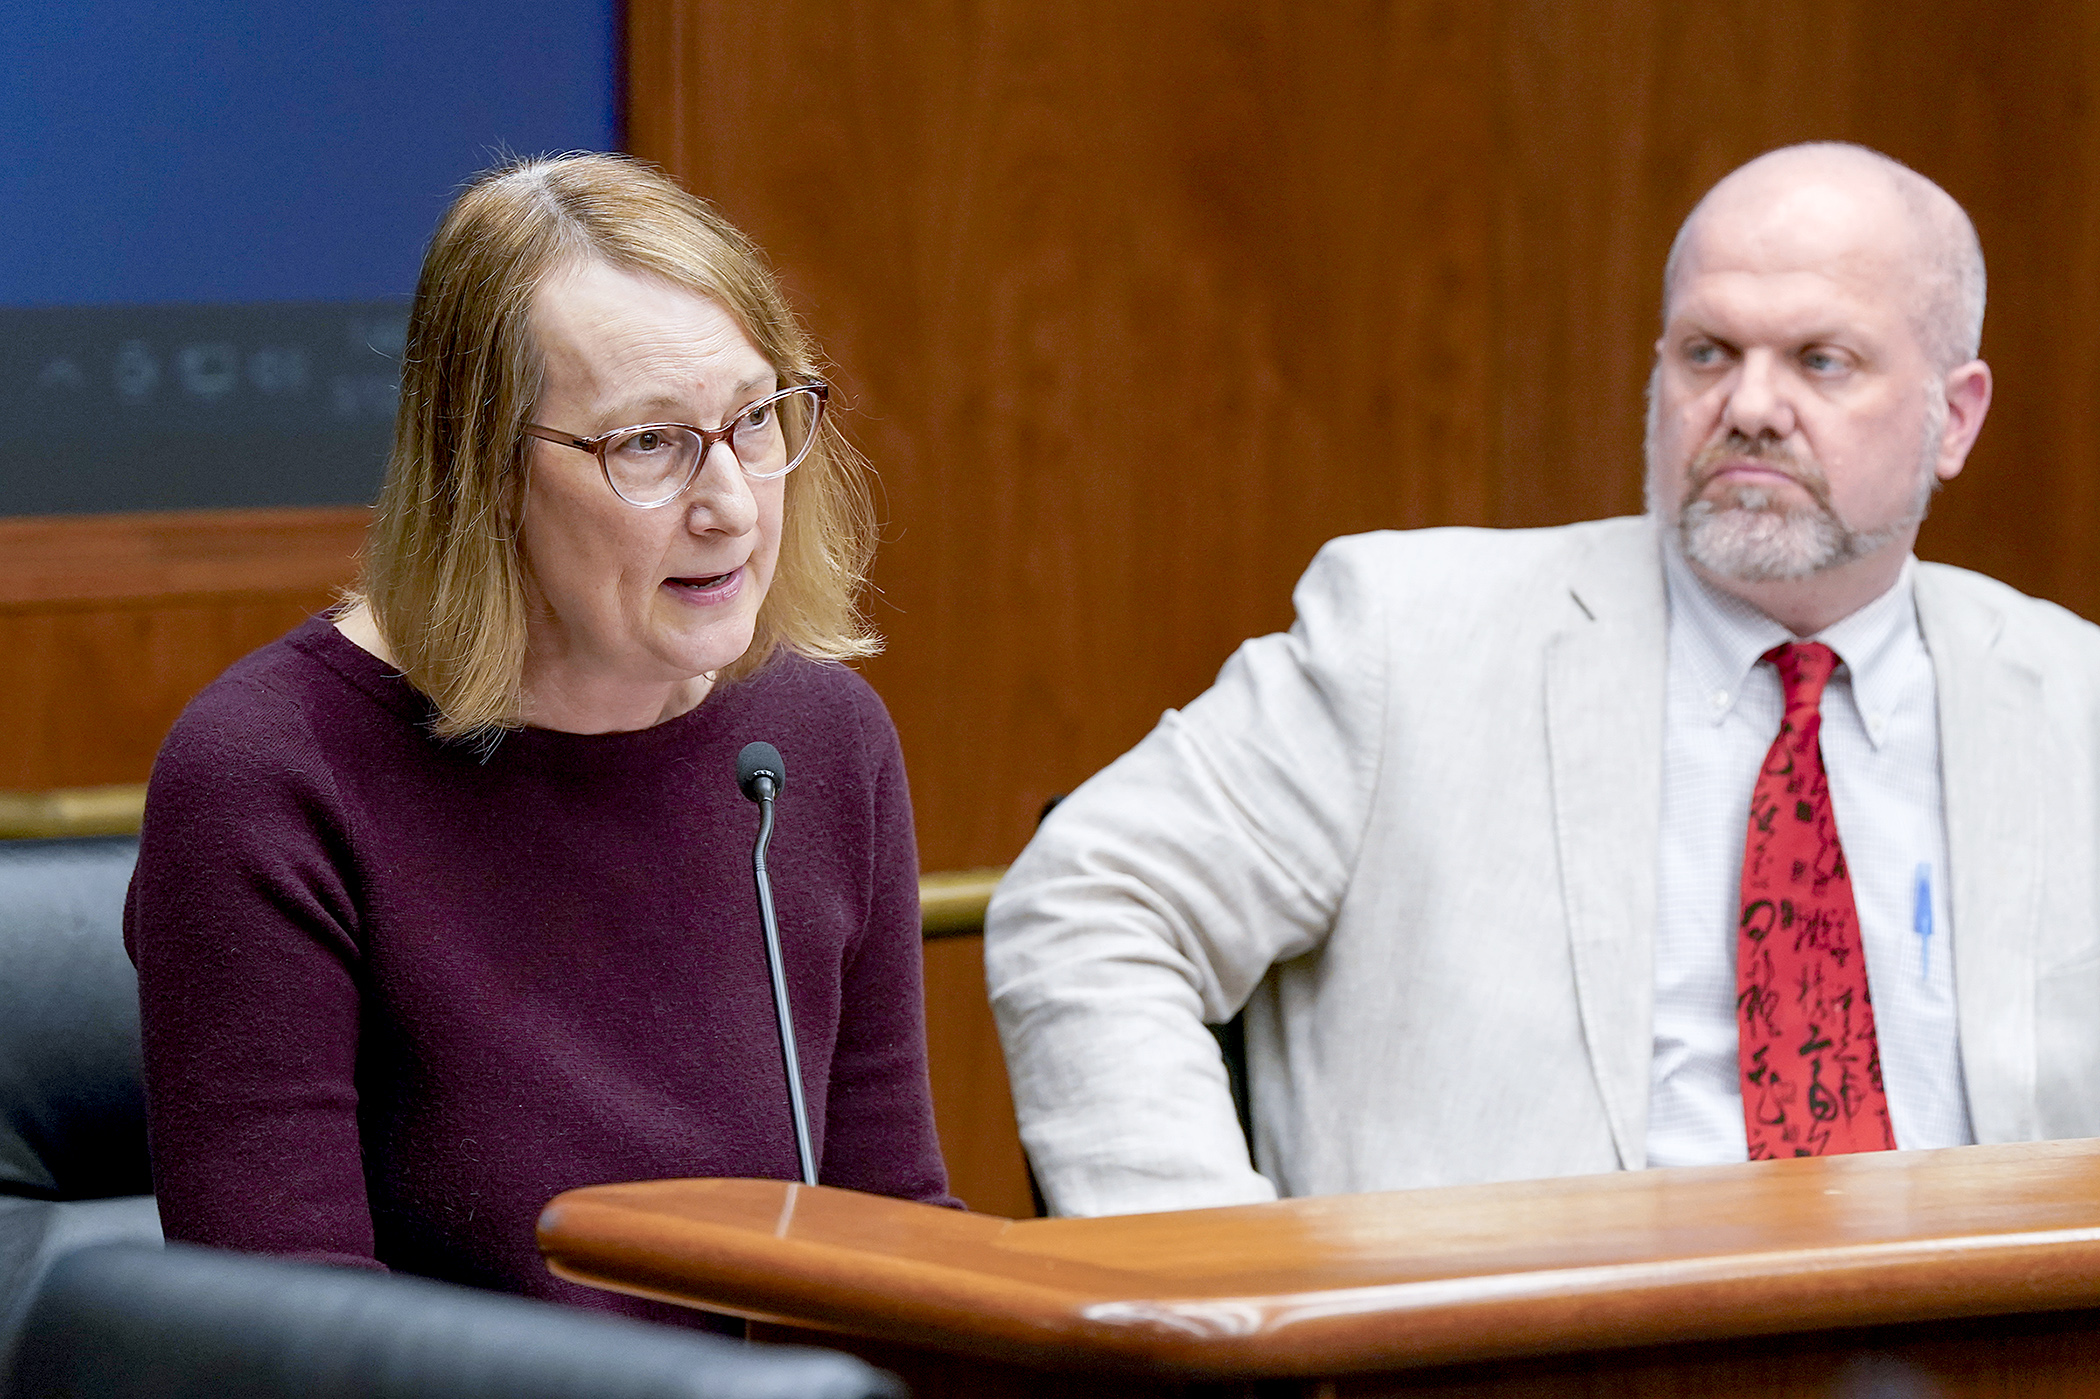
[{"x": 278, "y": 168}]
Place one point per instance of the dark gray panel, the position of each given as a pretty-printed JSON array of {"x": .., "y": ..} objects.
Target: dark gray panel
[{"x": 190, "y": 407}]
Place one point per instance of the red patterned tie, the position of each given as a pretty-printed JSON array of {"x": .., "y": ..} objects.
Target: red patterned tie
[{"x": 1805, "y": 1048}]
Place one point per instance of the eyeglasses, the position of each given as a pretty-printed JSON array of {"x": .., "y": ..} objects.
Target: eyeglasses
[{"x": 652, "y": 464}]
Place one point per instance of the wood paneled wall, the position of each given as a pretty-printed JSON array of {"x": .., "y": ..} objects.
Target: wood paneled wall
[
  {"x": 109, "y": 624},
  {"x": 1137, "y": 303}
]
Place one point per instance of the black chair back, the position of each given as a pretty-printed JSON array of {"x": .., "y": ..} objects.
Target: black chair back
[
  {"x": 124, "y": 1322},
  {"x": 72, "y": 1115},
  {"x": 72, "y": 1106}
]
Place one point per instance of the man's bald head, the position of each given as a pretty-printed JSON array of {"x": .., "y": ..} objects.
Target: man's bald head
[{"x": 1820, "y": 179}]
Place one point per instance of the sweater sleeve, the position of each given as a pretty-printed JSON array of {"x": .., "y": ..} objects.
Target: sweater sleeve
[
  {"x": 879, "y": 1134},
  {"x": 242, "y": 923}
]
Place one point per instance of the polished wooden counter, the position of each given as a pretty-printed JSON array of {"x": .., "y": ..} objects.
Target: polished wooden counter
[{"x": 1356, "y": 1285}]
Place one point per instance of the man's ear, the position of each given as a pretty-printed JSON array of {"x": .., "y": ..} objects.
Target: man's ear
[{"x": 1968, "y": 400}]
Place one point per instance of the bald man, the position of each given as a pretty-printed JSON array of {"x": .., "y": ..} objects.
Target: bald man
[{"x": 1727, "y": 831}]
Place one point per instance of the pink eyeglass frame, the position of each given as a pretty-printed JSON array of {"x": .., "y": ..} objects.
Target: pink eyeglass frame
[{"x": 708, "y": 438}]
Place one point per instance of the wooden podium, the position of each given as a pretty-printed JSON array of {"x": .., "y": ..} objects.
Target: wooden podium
[{"x": 1957, "y": 1272}]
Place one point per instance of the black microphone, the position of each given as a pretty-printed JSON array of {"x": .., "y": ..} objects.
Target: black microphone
[
  {"x": 761, "y": 775},
  {"x": 760, "y": 762}
]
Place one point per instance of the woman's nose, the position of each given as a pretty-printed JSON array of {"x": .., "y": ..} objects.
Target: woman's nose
[{"x": 720, "y": 499}]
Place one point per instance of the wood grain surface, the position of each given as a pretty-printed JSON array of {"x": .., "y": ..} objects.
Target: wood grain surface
[
  {"x": 973, "y": 1107},
  {"x": 2000, "y": 1357},
  {"x": 110, "y": 624},
  {"x": 1135, "y": 304},
  {"x": 1371, "y": 1283},
  {"x": 145, "y": 558}
]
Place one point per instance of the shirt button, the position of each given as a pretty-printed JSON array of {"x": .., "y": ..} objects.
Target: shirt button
[{"x": 1720, "y": 700}]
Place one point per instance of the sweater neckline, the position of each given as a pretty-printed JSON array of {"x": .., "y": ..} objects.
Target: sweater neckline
[{"x": 373, "y": 677}]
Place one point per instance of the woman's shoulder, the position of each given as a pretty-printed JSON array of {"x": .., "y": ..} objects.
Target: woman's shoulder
[
  {"x": 820, "y": 707},
  {"x": 242, "y": 752},
  {"x": 271, "y": 704},
  {"x": 795, "y": 683},
  {"x": 269, "y": 688}
]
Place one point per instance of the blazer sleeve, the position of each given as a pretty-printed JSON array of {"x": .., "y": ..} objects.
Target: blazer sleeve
[{"x": 1156, "y": 897}]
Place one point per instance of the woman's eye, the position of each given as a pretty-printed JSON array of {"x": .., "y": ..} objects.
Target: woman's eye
[
  {"x": 644, "y": 442},
  {"x": 758, "y": 415}
]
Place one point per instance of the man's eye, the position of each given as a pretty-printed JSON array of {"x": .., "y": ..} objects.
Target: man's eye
[
  {"x": 1703, "y": 353},
  {"x": 1821, "y": 362}
]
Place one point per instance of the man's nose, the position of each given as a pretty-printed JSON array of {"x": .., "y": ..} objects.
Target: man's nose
[{"x": 1760, "y": 402}]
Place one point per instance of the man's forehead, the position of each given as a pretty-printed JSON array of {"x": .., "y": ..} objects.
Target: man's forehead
[
  {"x": 1792, "y": 239},
  {"x": 1817, "y": 226},
  {"x": 1800, "y": 306}
]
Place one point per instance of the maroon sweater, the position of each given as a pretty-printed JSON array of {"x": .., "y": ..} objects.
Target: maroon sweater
[{"x": 396, "y": 996}]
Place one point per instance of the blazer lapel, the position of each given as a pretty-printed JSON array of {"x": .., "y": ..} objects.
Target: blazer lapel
[
  {"x": 1991, "y": 783},
  {"x": 1604, "y": 731}
]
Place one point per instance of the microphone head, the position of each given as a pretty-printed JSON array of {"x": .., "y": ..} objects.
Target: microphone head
[{"x": 756, "y": 761}]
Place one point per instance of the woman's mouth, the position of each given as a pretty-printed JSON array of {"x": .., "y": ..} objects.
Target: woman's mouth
[{"x": 707, "y": 588}]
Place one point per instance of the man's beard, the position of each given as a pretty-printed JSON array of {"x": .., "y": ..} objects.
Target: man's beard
[{"x": 1753, "y": 535}]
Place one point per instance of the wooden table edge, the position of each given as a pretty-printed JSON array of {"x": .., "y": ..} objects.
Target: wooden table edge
[{"x": 1339, "y": 1331}]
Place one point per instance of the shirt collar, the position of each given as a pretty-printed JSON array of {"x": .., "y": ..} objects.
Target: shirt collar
[{"x": 1718, "y": 637}]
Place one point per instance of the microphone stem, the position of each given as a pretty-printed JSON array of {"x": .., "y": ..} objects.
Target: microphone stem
[{"x": 780, "y": 990}]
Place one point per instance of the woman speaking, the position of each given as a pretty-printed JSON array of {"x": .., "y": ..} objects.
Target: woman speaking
[{"x": 444, "y": 903}]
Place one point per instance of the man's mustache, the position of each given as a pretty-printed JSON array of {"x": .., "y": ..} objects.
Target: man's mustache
[{"x": 1776, "y": 456}]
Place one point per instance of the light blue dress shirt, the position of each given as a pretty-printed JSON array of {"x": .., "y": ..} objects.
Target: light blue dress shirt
[{"x": 1881, "y": 748}]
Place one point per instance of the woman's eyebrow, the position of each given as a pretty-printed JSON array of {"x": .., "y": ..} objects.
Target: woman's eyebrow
[{"x": 659, "y": 404}]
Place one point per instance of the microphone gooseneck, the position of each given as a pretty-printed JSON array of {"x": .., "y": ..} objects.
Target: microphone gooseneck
[{"x": 760, "y": 774}]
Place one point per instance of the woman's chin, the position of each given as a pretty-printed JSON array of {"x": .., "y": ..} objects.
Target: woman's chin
[{"x": 698, "y": 651}]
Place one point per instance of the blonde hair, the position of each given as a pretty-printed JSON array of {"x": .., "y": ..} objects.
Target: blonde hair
[{"x": 442, "y": 574}]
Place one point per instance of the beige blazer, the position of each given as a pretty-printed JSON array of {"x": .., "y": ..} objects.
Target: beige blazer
[{"x": 1416, "y": 836}]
